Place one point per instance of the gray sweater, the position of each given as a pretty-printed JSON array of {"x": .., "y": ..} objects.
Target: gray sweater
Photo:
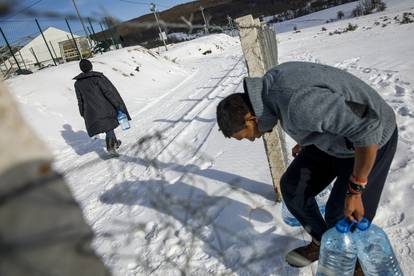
[{"x": 321, "y": 105}]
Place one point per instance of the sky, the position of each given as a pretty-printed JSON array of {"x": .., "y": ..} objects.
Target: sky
[{"x": 20, "y": 28}]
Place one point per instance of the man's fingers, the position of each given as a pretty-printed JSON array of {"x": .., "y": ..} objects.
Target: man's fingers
[
  {"x": 296, "y": 150},
  {"x": 348, "y": 214},
  {"x": 359, "y": 215}
]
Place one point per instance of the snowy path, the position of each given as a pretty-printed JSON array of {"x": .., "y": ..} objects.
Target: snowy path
[
  {"x": 159, "y": 153},
  {"x": 182, "y": 199}
]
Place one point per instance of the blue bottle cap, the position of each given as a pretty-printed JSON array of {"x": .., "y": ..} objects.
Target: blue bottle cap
[
  {"x": 363, "y": 224},
  {"x": 343, "y": 226}
]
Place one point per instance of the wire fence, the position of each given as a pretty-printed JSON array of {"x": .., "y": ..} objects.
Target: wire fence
[
  {"x": 32, "y": 44},
  {"x": 187, "y": 220},
  {"x": 36, "y": 44}
]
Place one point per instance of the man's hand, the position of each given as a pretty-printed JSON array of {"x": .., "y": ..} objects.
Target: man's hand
[
  {"x": 354, "y": 208},
  {"x": 296, "y": 150}
]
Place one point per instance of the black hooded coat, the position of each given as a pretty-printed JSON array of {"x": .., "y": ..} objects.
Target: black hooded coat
[{"x": 98, "y": 102}]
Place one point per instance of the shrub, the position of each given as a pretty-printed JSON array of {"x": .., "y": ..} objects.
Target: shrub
[
  {"x": 351, "y": 27},
  {"x": 367, "y": 6},
  {"x": 381, "y": 6},
  {"x": 358, "y": 11},
  {"x": 407, "y": 18},
  {"x": 340, "y": 15}
]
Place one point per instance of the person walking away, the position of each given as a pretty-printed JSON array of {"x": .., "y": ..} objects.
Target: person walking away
[{"x": 99, "y": 102}]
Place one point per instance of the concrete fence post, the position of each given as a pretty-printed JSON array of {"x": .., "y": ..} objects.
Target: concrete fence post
[{"x": 260, "y": 52}]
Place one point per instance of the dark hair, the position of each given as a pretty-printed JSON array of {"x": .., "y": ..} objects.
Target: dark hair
[
  {"x": 85, "y": 65},
  {"x": 231, "y": 112}
]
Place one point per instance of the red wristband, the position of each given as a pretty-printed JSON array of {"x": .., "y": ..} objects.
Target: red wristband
[{"x": 359, "y": 180}]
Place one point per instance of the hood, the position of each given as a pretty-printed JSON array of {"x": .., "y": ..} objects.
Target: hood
[
  {"x": 88, "y": 75},
  {"x": 257, "y": 90}
]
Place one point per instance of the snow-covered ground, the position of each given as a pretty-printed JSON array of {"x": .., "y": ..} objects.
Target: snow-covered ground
[
  {"x": 316, "y": 18},
  {"x": 181, "y": 198}
]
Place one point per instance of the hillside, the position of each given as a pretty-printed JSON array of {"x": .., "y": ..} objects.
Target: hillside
[{"x": 137, "y": 31}]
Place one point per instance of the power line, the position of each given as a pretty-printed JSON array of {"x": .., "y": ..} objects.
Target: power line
[
  {"x": 22, "y": 10},
  {"x": 141, "y": 3},
  {"x": 29, "y": 20}
]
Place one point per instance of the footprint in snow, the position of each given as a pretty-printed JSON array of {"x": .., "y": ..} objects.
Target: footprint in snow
[
  {"x": 152, "y": 233},
  {"x": 232, "y": 256},
  {"x": 395, "y": 219},
  {"x": 367, "y": 70},
  {"x": 399, "y": 90},
  {"x": 403, "y": 111}
]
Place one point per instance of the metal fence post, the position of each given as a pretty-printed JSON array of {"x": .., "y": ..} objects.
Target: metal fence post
[
  {"x": 73, "y": 38},
  {"x": 34, "y": 54},
  {"x": 53, "y": 49},
  {"x": 258, "y": 62},
  {"x": 10, "y": 49},
  {"x": 20, "y": 54},
  {"x": 110, "y": 30},
  {"x": 47, "y": 45},
  {"x": 1, "y": 67},
  {"x": 90, "y": 24},
  {"x": 103, "y": 32}
]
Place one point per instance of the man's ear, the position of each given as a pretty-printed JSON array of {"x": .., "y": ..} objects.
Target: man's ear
[{"x": 250, "y": 117}]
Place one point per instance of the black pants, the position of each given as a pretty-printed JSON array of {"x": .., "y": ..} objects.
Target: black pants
[
  {"x": 110, "y": 139},
  {"x": 313, "y": 170}
]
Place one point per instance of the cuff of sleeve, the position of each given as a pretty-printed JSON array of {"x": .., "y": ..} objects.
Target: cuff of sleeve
[{"x": 373, "y": 138}]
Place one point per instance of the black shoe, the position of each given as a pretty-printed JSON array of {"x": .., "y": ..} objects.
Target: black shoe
[
  {"x": 118, "y": 144},
  {"x": 110, "y": 144},
  {"x": 113, "y": 153},
  {"x": 304, "y": 255}
]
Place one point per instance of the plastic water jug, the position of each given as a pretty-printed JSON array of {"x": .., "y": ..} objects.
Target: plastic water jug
[
  {"x": 123, "y": 120},
  {"x": 338, "y": 253},
  {"x": 375, "y": 251}
]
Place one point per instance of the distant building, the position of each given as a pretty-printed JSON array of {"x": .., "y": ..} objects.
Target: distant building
[
  {"x": 36, "y": 54},
  {"x": 69, "y": 51}
]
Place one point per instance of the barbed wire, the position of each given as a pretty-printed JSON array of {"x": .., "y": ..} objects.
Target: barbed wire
[{"x": 189, "y": 213}]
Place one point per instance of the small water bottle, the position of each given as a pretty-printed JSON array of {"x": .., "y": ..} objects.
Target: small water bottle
[
  {"x": 321, "y": 200},
  {"x": 287, "y": 216},
  {"x": 375, "y": 251},
  {"x": 123, "y": 120},
  {"x": 338, "y": 253}
]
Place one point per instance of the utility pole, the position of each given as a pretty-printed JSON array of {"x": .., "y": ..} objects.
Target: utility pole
[
  {"x": 81, "y": 21},
  {"x": 161, "y": 33},
  {"x": 205, "y": 21}
]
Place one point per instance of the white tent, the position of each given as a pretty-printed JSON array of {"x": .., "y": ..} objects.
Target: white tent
[{"x": 37, "y": 45}]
